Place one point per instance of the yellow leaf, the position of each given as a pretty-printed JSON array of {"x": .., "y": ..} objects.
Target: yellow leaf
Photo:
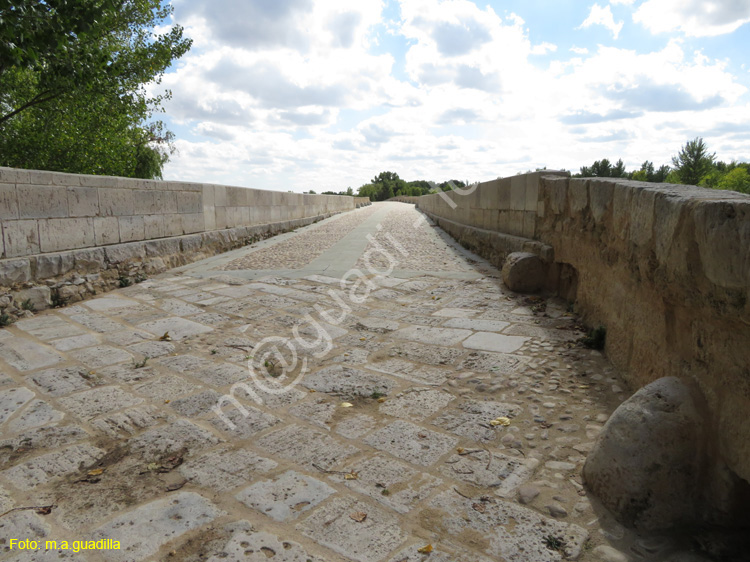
[
  {"x": 425, "y": 549},
  {"x": 362, "y": 339},
  {"x": 460, "y": 450},
  {"x": 347, "y": 405},
  {"x": 381, "y": 399},
  {"x": 166, "y": 337},
  {"x": 351, "y": 476},
  {"x": 96, "y": 472},
  {"x": 500, "y": 421}
]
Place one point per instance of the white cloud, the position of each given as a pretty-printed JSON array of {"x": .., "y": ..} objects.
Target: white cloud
[
  {"x": 695, "y": 18},
  {"x": 543, "y": 48},
  {"x": 469, "y": 99},
  {"x": 604, "y": 17}
]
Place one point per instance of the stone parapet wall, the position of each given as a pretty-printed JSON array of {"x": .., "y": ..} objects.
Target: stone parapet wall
[
  {"x": 665, "y": 268},
  {"x": 70, "y": 235},
  {"x": 44, "y": 212}
]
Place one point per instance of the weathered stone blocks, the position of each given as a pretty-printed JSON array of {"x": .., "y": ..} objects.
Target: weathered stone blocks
[
  {"x": 649, "y": 463},
  {"x": 523, "y": 272}
]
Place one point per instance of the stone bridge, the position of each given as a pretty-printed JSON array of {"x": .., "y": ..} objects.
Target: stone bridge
[{"x": 360, "y": 386}]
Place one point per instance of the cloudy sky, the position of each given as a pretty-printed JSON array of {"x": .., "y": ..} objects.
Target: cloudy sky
[{"x": 325, "y": 94}]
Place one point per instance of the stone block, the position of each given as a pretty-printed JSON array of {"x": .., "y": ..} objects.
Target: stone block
[
  {"x": 518, "y": 193},
  {"x": 209, "y": 217},
  {"x": 89, "y": 261},
  {"x": 14, "y": 271},
  {"x": 40, "y": 297},
  {"x": 39, "y": 177},
  {"x": 99, "y": 181},
  {"x": 119, "y": 253},
  {"x": 285, "y": 497},
  {"x": 305, "y": 446},
  {"x": 499, "y": 343},
  {"x": 411, "y": 442},
  {"x": 600, "y": 195},
  {"x": 106, "y": 230},
  {"x": 154, "y": 227},
  {"x": 83, "y": 201},
  {"x": 144, "y": 202},
  {"x": 532, "y": 191},
  {"x": 116, "y": 202},
  {"x": 723, "y": 236},
  {"x": 225, "y": 468},
  {"x": 621, "y": 198},
  {"x": 578, "y": 195},
  {"x": 192, "y": 223},
  {"x": 642, "y": 216},
  {"x": 132, "y": 228},
  {"x": 368, "y": 541},
  {"x": 41, "y": 202},
  {"x": 8, "y": 201},
  {"x": 52, "y": 466},
  {"x": 173, "y": 225},
  {"x": 220, "y": 196},
  {"x": 515, "y": 223},
  {"x": 555, "y": 191},
  {"x": 21, "y": 238},
  {"x": 161, "y": 248},
  {"x": 165, "y": 202},
  {"x": 147, "y": 528},
  {"x": 657, "y": 438},
  {"x": 46, "y": 266},
  {"x": 529, "y": 224},
  {"x": 66, "y": 234},
  {"x": 189, "y": 202},
  {"x": 191, "y": 244}
]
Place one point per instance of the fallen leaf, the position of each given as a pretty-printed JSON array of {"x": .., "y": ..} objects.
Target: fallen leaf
[
  {"x": 460, "y": 450},
  {"x": 45, "y": 510},
  {"x": 95, "y": 472},
  {"x": 381, "y": 399},
  {"x": 351, "y": 476},
  {"x": 347, "y": 405},
  {"x": 500, "y": 421},
  {"x": 166, "y": 337},
  {"x": 358, "y": 516},
  {"x": 425, "y": 549},
  {"x": 312, "y": 390},
  {"x": 167, "y": 401},
  {"x": 478, "y": 507},
  {"x": 300, "y": 506}
]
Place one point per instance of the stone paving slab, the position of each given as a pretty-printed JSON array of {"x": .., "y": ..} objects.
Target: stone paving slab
[{"x": 384, "y": 447}]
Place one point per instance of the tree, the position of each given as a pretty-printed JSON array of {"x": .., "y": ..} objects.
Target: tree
[
  {"x": 737, "y": 179},
  {"x": 72, "y": 85},
  {"x": 693, "y": 162}
]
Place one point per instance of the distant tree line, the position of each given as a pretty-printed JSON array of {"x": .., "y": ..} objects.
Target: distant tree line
[
  {"x": 693, "y": 165},
  {"x": 388, "y": 184}
]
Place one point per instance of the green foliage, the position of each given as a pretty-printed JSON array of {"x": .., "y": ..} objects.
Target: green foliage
[
  {"x": 693, "y": 162},
  {"x": 603, "y": 169},
  {"x": 28, "y": 305},
  {"x": 737, "y": 179},
  {"x": 72, "y": 85},
  {"x": 5, "y": 320},
  {"x": 124, "y": 281}
]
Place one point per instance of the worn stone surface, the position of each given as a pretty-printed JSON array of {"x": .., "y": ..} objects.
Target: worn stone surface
[
  {"x": 523, "y": 272},
  {"x": 650, "y": 458},
  {"x": 364, "y": 458}
]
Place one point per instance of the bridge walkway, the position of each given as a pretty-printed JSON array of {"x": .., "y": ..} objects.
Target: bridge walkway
[{"x": 359, "y": 389}]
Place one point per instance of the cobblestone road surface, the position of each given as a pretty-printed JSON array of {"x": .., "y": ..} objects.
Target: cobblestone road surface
[{"x": 436, "y": 413}]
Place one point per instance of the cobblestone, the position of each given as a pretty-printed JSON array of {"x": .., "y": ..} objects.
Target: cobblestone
[{"x": 393, "y": 440}]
